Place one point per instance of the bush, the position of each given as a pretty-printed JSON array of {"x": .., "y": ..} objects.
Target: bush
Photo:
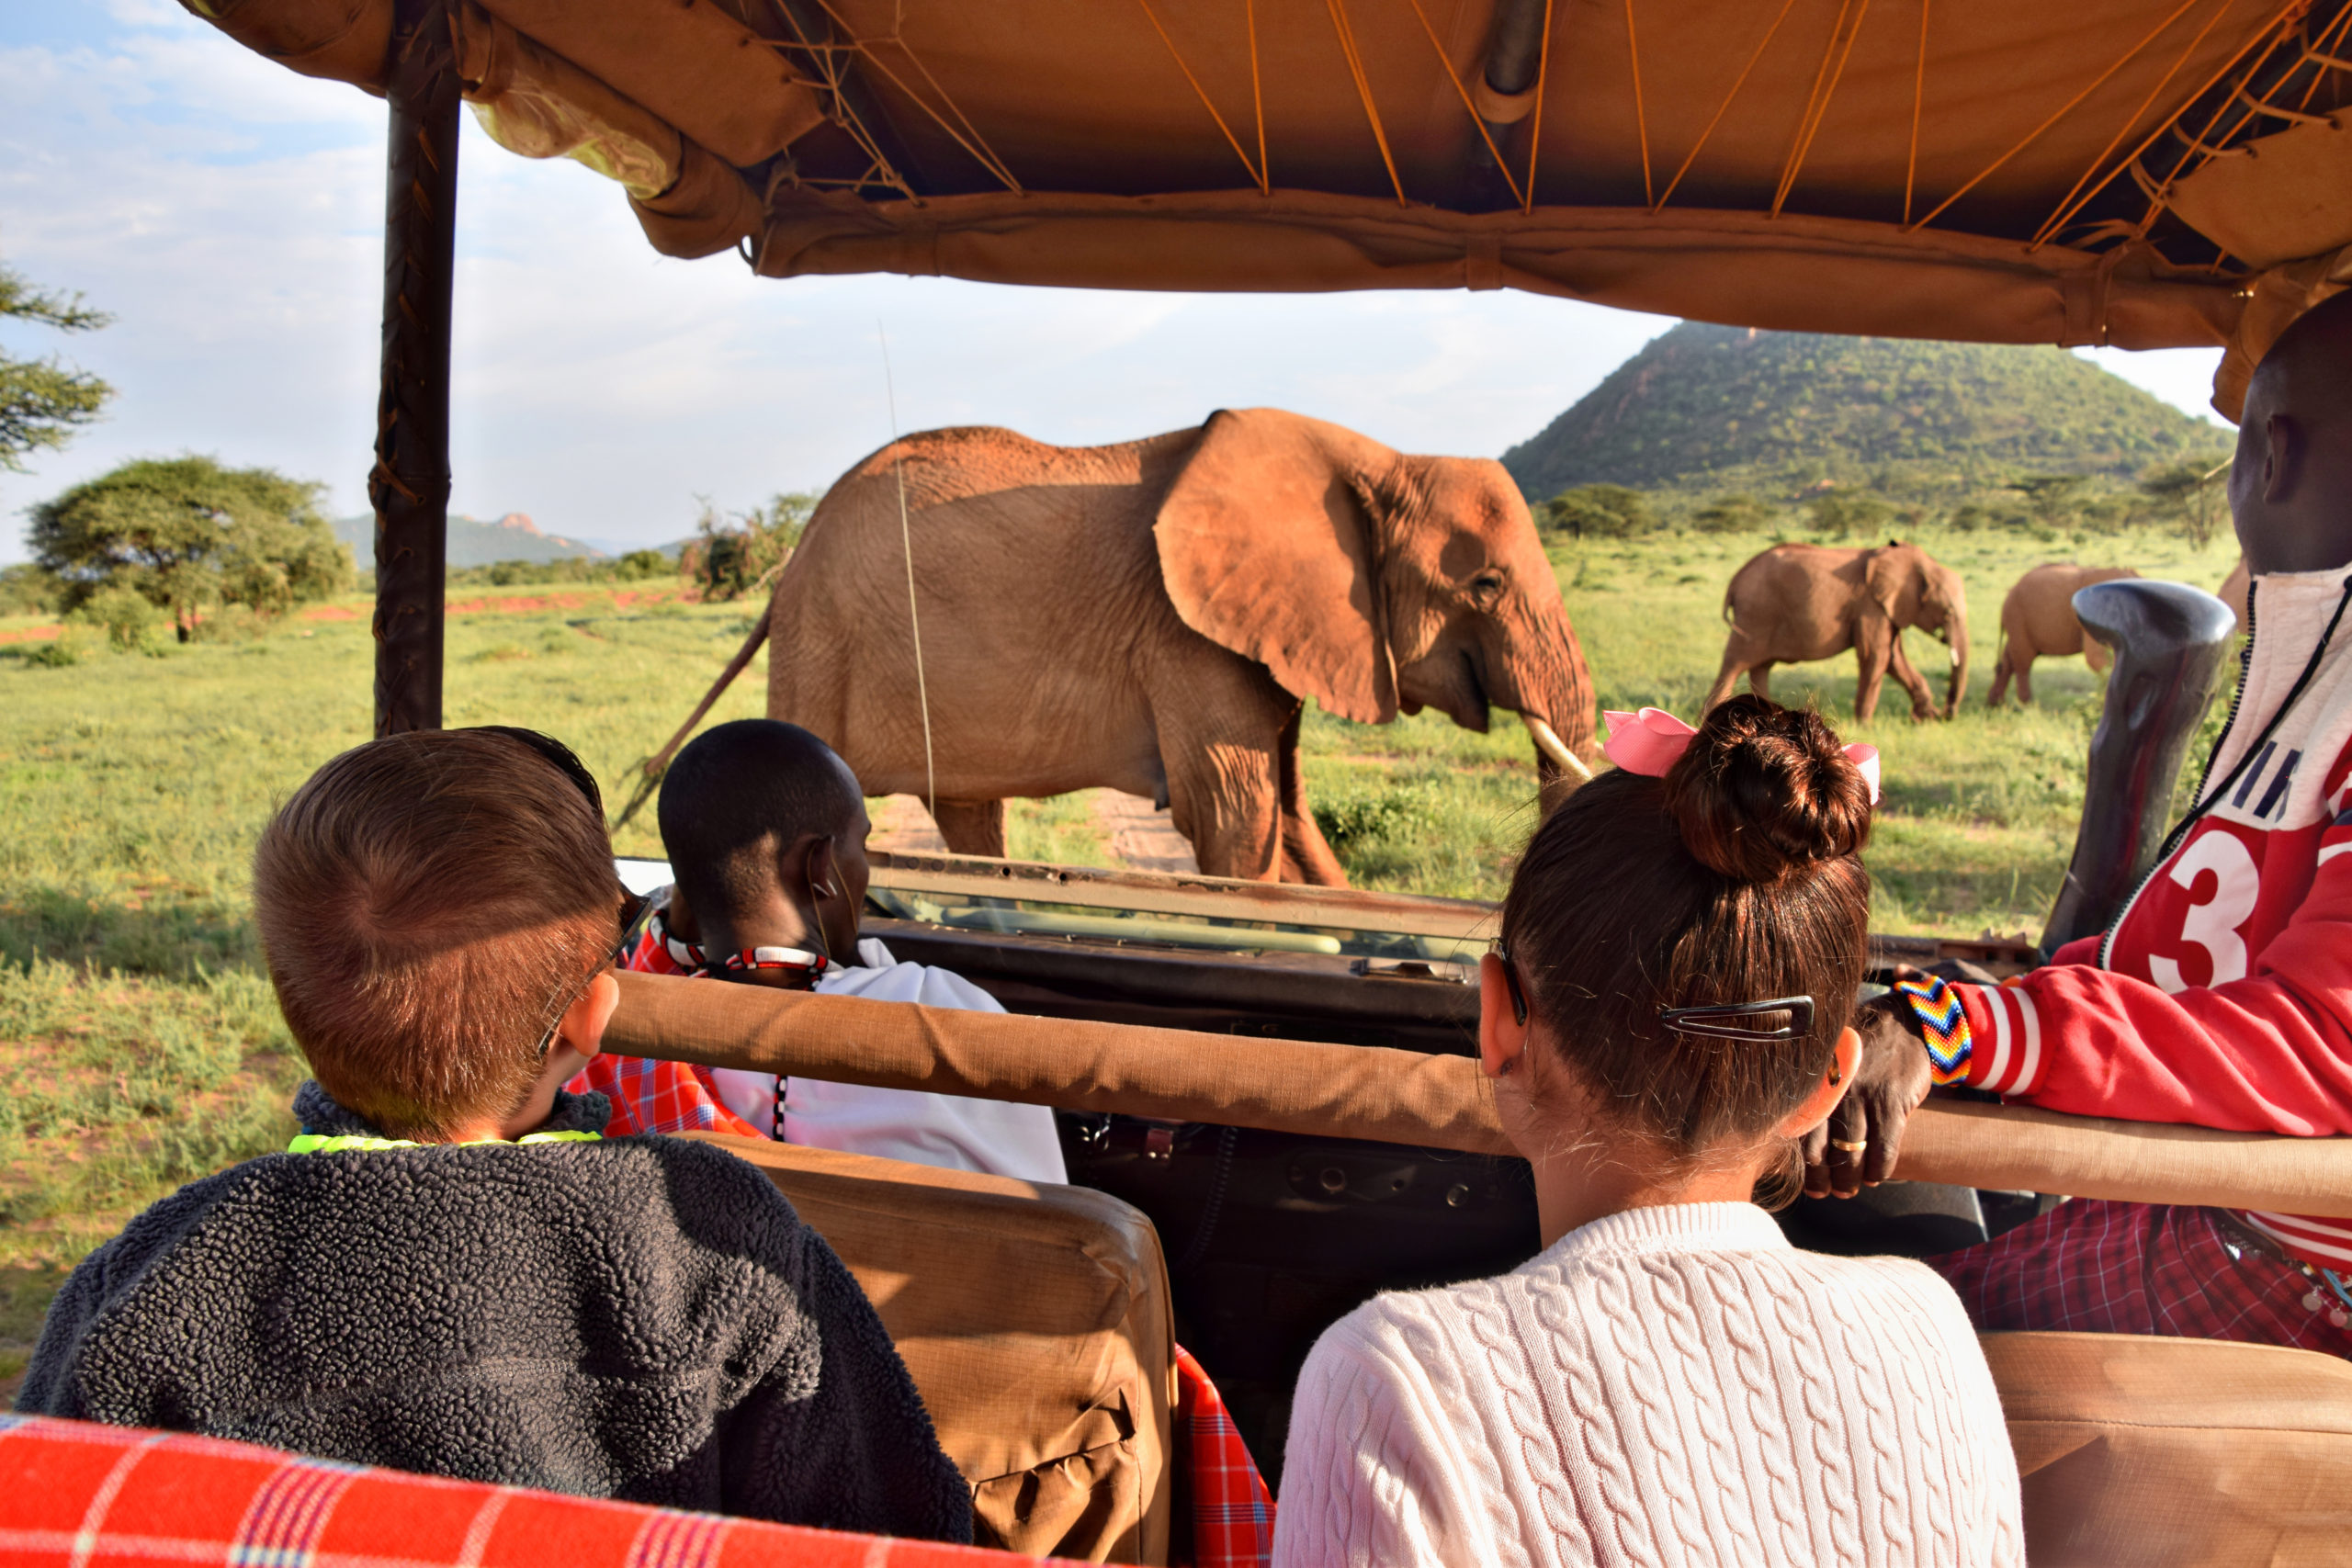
[
  {"x": 69, "y": 647},
  {"x": 27, "y": 590},
  {"x": 1841, "y": 513},
  {"x": 733, "y": 556},
  {"x": 123, "y": 614},
  {"x": 1729, "y": 514},
  {"x": 1354, "y": 817},
  {"x": 1600, "y": 512}
]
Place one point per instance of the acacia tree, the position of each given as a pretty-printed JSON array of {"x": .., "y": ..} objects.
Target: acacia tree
[
  {"x": 2186, "y": 490},
  {"x": 42, "y": 400},
  {"x": 185, "y": 533},
  {"x": 731, "y": 556}
]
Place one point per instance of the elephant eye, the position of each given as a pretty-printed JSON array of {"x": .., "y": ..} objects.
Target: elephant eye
[{"x": 1486, "y": 584}]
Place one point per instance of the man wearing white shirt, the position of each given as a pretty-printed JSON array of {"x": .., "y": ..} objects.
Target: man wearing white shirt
[{"x": 766, "y": 828}]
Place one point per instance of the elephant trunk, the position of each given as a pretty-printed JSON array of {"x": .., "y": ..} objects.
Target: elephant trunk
[{"x": 1959, "y": 687}]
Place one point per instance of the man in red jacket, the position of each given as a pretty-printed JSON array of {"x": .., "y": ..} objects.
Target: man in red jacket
[{"x": 2222, "y": 996}]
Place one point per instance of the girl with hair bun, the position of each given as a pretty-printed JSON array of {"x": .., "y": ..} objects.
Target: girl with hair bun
[{"x": 1667, "y": 1381}]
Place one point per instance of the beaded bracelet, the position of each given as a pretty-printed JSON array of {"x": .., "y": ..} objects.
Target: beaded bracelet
[{"x": 1944, "y": 1022}]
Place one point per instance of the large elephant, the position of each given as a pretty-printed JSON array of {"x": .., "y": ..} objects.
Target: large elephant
[
  {"x": 1151, "y": 618},
  {"x": 2038, "y": 618},
  {"x": 1794, "y": 602}
]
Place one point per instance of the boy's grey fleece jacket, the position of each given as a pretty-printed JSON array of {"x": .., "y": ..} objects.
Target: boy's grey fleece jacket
[{"x": 643, "y": 1318}]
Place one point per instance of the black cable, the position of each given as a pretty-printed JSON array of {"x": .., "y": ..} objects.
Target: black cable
[{"x": 1198, "y": 1248}]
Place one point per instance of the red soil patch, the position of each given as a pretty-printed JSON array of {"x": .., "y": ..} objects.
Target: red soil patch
[{"x": 32, "y": 634}]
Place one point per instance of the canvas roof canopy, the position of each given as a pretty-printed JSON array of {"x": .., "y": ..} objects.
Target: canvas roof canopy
[{"x": 2129, "y": 172}]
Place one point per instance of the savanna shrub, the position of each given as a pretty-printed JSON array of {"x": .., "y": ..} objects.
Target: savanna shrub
[
  {"x": 125, "y": 614},
  {"x": 1353, "y": 817}
]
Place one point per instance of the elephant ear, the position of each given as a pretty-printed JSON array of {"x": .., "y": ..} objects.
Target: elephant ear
[
  {"x": 1888, "y": 577},
  {"x": 1266, "y": 550}
]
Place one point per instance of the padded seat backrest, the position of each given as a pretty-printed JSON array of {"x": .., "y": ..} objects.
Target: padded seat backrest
[
  {"x": 1035, "y": 1320},
  {"x": 2170, "y": 1453}
]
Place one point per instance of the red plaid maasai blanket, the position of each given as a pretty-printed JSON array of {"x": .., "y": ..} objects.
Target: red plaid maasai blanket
[
  {"x": 86, "y": 1497},
  {"x": 658, "y": 1097},
  {"x": 2106, "y": 1267},
  {"x": 1220, "y": 1494}
]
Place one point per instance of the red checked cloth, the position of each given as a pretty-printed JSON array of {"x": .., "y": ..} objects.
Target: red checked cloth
[
  {"x": 75, "y": 1494},
  {"x": 658, "y": 1097},
  {"x": 1220, "y": 1493},
  {"x": 2102, "y": 1267}
]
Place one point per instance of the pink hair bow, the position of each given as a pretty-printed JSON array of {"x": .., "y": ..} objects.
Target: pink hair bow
[{"x": 1647, "y": 743}]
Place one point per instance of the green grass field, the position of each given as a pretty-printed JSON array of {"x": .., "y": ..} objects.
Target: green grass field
[{"x": 141, "y": 1045}]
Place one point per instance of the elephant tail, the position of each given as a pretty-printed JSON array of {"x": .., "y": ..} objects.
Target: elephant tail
[{"x": 649, "y": 771}]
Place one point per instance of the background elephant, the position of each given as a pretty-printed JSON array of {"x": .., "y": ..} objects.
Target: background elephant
[
  {"x": 2037, "y": 617},
  {"x": 1150, "y": 616},
  {"x": 1795, "y": 603}
]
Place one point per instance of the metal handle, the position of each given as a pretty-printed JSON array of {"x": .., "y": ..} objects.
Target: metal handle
[{"x": 2169, "y": 641}]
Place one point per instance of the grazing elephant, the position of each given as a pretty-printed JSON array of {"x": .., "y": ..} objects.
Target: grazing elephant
[
  {"x": 2037, "y": 617},
  {"x": 1151, "y": 616},
  {"x": 1794, "y": 602}
]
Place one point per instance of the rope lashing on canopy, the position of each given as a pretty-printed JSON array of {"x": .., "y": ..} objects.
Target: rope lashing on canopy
[
  {"x": 2067, "y": 206},
  {"x": 2062, "y": 110},
  {"x": 1257, "y": 174},
  {"x": 1825, "y": 78},
  {"x": 1468, "y": 103},
  {"x": 1716, "y": 118},
  {"x": 1338, "y": 9}
]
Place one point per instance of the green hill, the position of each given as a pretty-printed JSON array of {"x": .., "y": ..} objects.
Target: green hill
[{"x": 1706, "y": 403}]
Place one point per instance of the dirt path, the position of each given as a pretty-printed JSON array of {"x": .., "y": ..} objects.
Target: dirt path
[
  {"x": 902, "y": 827},
  {"x": 1140, "y": 838}
]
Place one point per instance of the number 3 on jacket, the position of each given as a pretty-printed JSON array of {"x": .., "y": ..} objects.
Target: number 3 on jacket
[{"x": 2213, "y": 923}]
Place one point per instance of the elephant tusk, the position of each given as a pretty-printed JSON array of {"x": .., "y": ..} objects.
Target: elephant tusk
[{"x": 1548, "y": 741}]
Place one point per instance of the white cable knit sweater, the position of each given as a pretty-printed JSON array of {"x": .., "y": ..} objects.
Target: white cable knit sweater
[{"x": 1666, "y": 1385}]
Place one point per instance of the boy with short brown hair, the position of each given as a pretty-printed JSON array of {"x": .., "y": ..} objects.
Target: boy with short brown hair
[{"x": 450, "y": 1271}]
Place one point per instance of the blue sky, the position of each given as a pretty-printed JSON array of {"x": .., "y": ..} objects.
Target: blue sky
[{"x": 228, "y": 213}]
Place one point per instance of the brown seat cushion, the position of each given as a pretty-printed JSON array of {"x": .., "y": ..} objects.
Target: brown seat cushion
[
  {"x": 2163, "y": 1453},
  {"x": 1035, "y": 1320}
]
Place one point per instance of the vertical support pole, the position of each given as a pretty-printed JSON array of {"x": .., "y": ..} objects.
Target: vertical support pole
[{"x": 409, "y": 486}]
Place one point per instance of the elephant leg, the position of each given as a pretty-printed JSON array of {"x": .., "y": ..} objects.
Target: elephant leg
[
  {"x": 2000, "y": 675},
  {"x": 2095, "y": 654},
  {"x": 1759, "y": 680},
  {"x": 971, "y": 827},
  {"x": 1923, "y": 700},
  {"x": 1307, "y": 855},
  {"x": 2025, "y": 679},
  {"x": 1221, "y": 723},
  {"x": 1873, "y": 647},
  {"x": 1740, "y": 653}
]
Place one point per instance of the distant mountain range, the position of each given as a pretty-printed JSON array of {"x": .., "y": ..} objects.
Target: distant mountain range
[
  {"x": 475, "y": 543},
  {"x": 1703, "y": 400}
]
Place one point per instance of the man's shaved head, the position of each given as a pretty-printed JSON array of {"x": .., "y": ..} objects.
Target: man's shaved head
[
  {"x": 2290, "y": 482},
  {"x": 741, "y": 793}
]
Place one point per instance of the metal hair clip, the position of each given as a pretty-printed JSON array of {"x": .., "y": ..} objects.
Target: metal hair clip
[
  {"x": 1700, "y": 1020},
  {"x": 1511, "y": 983}
]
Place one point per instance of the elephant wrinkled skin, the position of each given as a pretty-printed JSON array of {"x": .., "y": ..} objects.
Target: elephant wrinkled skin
[
  {"x": 1151, "y": 616},
  {"x": 2038, "y": 618},
  {"x": 1795, "y": 603}
]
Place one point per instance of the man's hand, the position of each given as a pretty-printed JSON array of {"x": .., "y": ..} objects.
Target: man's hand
[{"x": 1889, "y": 1084}]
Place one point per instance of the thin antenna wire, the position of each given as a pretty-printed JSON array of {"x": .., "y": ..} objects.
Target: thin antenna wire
[{"x": 907, "y": 542}]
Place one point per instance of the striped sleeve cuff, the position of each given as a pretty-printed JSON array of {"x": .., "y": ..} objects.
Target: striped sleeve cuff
[{"x": 2007, "y": 1057}]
